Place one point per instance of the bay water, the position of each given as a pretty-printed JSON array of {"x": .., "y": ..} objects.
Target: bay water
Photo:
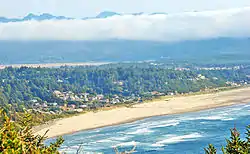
[{"x": 187, "y": 133}]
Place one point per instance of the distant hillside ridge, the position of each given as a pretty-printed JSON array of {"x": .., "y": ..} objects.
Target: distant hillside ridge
[{"x": 221, "y": 50}]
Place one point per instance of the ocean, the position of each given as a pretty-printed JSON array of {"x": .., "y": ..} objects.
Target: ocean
[{"x": 187, "y": 133}]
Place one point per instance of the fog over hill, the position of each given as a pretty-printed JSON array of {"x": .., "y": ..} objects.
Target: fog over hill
[
  {"x": 157, "y": 27},
  {"x": 111, "y": 36}
]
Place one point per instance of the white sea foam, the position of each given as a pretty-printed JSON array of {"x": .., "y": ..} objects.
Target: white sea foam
[
  {"x": 157, "y": 145},
  {"x": 93, "y": 152},
  {"x": 124, "y": 144},
  {"x": 227, "y": 119},
  {"x": 141, "y": 131},
  {"x": 93, "y": 136},
  {"x": 237, "y": 109},
  {"x": 157, "y": 124},
  {"x": 121, "y": 138},
  {"x": 105, "y": 141},
  {"x": 203, "y": 122},
  {"x": 167, "y": 125},
  {"x": 213, "y": 117},
  {"x": 248, "y": 105},
  {"x": 177, "y": 139}
]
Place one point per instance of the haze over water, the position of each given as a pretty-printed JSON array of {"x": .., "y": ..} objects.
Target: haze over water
[{"x": 188, "y": 133}]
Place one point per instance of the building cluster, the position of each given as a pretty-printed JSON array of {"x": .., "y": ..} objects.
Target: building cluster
[
  {"x": 83, "y": 101},
  {"x": 209, "y": 68},
  {"x": 219, "y": 68},
  {"x": 241, "y": 83},
  {"x": 2, "y": 67}
]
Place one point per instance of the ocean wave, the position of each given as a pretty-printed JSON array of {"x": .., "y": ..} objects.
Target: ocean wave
[
  {"x": 157, "y": 124},
  {"x": 94, "y": 136},
  {"x": 227, "y": 119},
  {"x": 157, "y": 145},
  {"x": 105, "y": 141},
  {"x": 141, "y": 131},
  {"x": 176, "y": 139},
  {"x": 222, "y": 117},
  {"x": 248, "y": 105},
  {"x": 211, "y": 118},
  {"x": 167, "y": 125},
  {"x": 120, "y": 138},
  {"x": 125, "y": 144}
]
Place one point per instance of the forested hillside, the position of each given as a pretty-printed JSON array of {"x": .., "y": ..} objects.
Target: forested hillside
[{"x": 24, "y": 85}]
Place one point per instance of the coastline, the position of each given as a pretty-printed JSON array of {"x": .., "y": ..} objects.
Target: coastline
[
  {"x": 51, "y": 65},
  {"x": 121, "y": 115}
]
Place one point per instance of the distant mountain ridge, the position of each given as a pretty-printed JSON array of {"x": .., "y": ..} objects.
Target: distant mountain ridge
[
  {"x": 104, "y": 14},
  {"x": 31, "y": 16},
  {"x": 221, "y": 50},
  {"x": 47, "y": 16}
]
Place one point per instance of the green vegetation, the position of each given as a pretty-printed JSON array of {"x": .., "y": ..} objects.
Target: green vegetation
[
  {"x": 23, "y": 87},
  {"x": 235, "y": 145},
  {"x": 17, "y": 137}
]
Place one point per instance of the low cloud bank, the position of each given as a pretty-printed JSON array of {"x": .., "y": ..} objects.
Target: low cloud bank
[{"x": 159, "y": 27}]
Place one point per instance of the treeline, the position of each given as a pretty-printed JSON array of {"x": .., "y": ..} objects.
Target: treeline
[{"x": 21, "y": 85}]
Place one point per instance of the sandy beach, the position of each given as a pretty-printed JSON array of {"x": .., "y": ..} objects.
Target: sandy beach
[
  {"x": 49, "y": 65},
  {"x": 174, "y": 105}
]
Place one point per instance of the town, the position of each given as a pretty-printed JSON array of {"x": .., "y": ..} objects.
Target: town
[{"x": 83, "y": 101}]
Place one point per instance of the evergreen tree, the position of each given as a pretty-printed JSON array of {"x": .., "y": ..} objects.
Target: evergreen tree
[
  {"x": 17, "y": 138},
  {"x": 235, "y": 145}
]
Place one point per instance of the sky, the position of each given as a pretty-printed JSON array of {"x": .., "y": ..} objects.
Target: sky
[{"x": 83, "y": 8}]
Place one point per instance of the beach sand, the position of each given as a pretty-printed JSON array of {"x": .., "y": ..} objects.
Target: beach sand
[
  {"x": 49, "y": 65},
  {"x": 174, "y": 105}
]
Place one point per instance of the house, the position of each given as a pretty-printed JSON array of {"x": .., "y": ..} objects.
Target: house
[
  {"x": 92, "y": 98},
  {"x": 36, "y": 104},
  {"x": 2, "y": 67},
  {"x": 156, "y": 93},
  {"x": 120, "y": 83},
  {"x": 115, "y": 101},
  {"x": 84, "y": 95},
  {"x": 57, "y": 93},
  {"x": 140, "y": 100},
  {"x": 60, "y": 81},
  {"x": 83, "y": 106},
  {"x": 99, "y": 97},
  {"x": 33, "y": 101},
  {"x": 103, "y": 101},
  {"x": 72, "y": 106},
  {"x": 215, "y": 78},
  {"x": 116, "y": 96},
  {"x": 72, "y": 98},
  {"x": 52, "y": 104},
  {"x": 171, "y": 93},
  {"x": 201, "y": 77},
  {"x": 51, "y": 112},
  {"x": 78, "y": 110},
  {"x": 44, "y": 105}
]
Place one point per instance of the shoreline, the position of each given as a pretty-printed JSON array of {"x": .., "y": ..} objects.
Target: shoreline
[
  {"x": 51, "y": 65},
  {"x": 123, "y": 115}
]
